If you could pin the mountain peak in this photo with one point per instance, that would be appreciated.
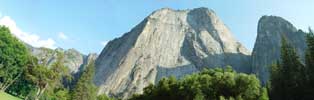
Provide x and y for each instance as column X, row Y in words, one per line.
column 272, row 18
column 168, row 42
column 266, row 50
column 275, row 22
column 172, row 12
column 203, row 9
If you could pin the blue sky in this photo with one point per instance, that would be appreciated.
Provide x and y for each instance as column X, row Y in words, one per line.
column 87, row 24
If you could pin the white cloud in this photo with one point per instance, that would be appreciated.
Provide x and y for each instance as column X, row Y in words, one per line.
column 62, row 36
column 31, row 39
column 104, row 43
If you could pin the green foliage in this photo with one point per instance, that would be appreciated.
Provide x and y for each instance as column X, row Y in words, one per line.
column 37, row 73
column 264, row 95
column 104, row 97
column 47, row 81
column 55, row 94
column 288, row 76
column 210, row 84
column 85, row 88
column 22, row 87
column 57, row 73
column 309, row 64
column 13, row 57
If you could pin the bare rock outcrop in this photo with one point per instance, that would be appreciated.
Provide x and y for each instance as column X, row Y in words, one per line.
column 266, row 50
column 167, row 42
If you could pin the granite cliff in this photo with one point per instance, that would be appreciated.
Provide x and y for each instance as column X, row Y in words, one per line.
column 266, row 50
column 167, row 42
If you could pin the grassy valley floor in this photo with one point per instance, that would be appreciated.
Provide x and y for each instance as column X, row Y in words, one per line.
column 5, row 96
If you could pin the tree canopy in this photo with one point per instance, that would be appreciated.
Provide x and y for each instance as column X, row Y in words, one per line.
column 210, row 84
column 13, row 58
column 85, row 88
column 291, row 79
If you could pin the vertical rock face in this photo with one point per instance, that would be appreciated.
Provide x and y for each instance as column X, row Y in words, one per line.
column 167, row 42
column 266, row 51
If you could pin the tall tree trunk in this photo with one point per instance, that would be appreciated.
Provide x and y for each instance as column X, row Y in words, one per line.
column 41, row 91
column 37, row 94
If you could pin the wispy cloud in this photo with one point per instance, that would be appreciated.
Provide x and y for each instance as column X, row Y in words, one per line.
column 62, row 36
column 104, row 43
column 32, row 39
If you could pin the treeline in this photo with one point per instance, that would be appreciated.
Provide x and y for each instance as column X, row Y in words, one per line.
column 30, row 78
column 210, row 84
column 292, row 79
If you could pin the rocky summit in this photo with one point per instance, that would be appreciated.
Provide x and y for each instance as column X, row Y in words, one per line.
column 168, row 42
column 266, row 50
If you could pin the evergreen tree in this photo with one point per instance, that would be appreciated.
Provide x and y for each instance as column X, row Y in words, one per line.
column 276, row 81
column 58, row 73
column 13, row 57
column 85, row 88
column 309, row 63
column 288, row 78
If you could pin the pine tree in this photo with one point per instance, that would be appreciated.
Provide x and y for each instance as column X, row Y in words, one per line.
column 85, row 89
column 309, row 61
column 310, row 50
column 288, row 77
column 276, row 82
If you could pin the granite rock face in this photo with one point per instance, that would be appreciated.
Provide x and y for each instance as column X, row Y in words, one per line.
column 266, row 50
column 73, row 59
column 167, row 42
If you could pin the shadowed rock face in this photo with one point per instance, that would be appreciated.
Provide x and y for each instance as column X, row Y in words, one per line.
column 167, row 42
column 266, row 51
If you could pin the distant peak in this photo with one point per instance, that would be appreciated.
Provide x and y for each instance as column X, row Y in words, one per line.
column 165, row 9
column 202, row 9
column 171, row 11
column 276, row 24
column 272, row 18
column 73, row 50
